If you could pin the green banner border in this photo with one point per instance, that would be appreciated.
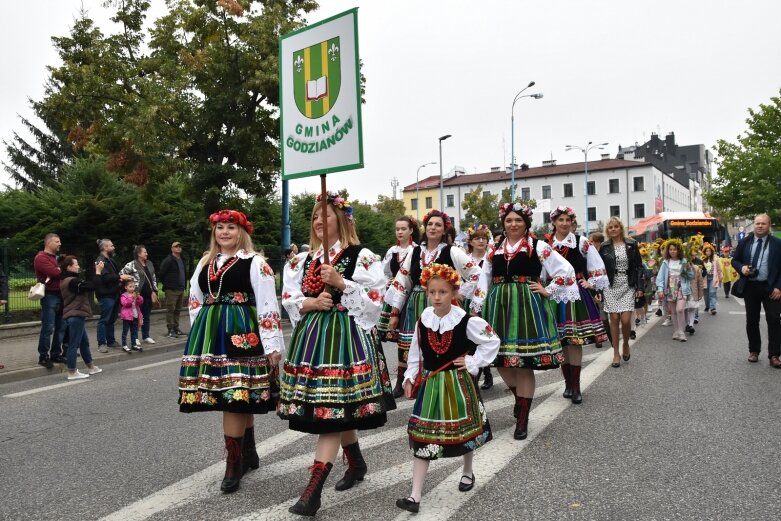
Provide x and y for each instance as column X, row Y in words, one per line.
column 341, row 168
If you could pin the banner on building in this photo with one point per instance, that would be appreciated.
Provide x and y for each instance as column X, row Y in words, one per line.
column 320, row 98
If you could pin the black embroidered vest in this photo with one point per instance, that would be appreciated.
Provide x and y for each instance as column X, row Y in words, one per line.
column 459, row 346
column 415, row 270
column 574, row 257
column 345, row 265
column 520, row 265
column 236, row 286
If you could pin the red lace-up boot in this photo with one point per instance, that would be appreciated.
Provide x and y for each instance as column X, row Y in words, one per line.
column 230, row 483
column 309, row 502
column 522, row 423
column 566, row 370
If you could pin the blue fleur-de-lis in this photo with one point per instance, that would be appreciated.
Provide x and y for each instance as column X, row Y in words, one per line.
column 299, row 62
column 333, row 52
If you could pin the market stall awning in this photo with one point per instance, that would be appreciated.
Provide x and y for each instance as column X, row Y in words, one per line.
column 641, row 227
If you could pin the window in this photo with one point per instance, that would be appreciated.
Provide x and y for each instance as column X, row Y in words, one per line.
column 450, row 201
column 526, row 194
column 546, row 217
column 639, row 210
column 639, row 183
column 546, row 192
column 615, row 211
column 429, row 203
column 487, row 193
column 591, row 188
column 413, row 204
column 613, row 186
column 567, row 189
column 592, row 213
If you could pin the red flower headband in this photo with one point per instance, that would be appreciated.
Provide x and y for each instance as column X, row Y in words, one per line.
column 440, row 271
column 437, row 213
column 520, row 209
column 562, row 210
column 233, row 217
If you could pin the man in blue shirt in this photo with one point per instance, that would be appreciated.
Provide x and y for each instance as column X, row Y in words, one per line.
column 758, row 261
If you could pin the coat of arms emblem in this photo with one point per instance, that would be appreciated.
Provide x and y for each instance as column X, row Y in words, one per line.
column 317, row 76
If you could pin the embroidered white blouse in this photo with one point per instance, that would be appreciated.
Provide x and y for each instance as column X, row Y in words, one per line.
column 555, row 269
column 393, row 250
column 473, row 285
column 597, row 276
column 477, row 330
column 362, row 296
column 264, row 288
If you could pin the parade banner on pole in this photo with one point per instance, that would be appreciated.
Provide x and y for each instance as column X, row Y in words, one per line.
column 320, row 98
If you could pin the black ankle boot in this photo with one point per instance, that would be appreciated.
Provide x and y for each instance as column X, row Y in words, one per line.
column 356, row 467
column 566, row 371
column 488, row 380
column 522, row 424
column 249, row 453
column 230, row 483
column 515, row 407
column 574, row 372
column 309, row 502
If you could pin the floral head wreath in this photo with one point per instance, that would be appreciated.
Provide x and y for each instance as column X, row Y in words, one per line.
column 708, row 245
column 233, row 217
column 337, row 201
column 437, row 213
column 518, row 208
column 440, row 271
column 673, row 242
column 562, row 210
column 476, row 229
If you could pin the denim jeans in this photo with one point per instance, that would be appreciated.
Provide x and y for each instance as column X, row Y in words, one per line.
column 109, row 308
column 52, row 328
column 132, row 327
column 146, row 312
column 711, row 295
column 79, row 341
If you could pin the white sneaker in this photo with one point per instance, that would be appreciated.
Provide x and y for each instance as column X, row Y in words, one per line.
column 138, row 342
column 667, row 322
column 126, row 349
column 94, row 370
column 77, row 375
column 150, row 340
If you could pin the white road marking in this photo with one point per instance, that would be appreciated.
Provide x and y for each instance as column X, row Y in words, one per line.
column 739, row 301
column 147, row 366
column 47, row 388
column 761, row 313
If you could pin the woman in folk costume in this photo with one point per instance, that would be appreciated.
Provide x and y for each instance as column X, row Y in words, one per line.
column 578, row 321
column 407, row 237
column 405, row 292
column 517, row 307
column 478, row 239
column 235, row 341
column 448, row 419
column 334, row 379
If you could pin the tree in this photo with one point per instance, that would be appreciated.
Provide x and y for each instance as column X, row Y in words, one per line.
column 479, row 208
column 531, row 203
column 749, row 174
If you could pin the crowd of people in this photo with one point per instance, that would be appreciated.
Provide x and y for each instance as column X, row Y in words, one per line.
column 128, row 292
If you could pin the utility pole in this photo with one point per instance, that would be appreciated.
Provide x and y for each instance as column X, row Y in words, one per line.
column 394, row 185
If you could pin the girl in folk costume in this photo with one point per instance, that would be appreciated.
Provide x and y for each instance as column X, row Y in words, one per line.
column 235, row 342
column 478, row 239
column 714, row 277
column 578, row 321
column 405, row 292
column 448, row 419
column 673, row 283
column 517, row 306
column 407, row 237
column 334, row 380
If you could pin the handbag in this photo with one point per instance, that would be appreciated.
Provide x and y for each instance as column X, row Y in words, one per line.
column 37, row 290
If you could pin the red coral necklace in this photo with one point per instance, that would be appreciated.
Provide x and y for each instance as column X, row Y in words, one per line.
column 215, row 275
column 440, row 345
column 313, row 283
column 524, row 244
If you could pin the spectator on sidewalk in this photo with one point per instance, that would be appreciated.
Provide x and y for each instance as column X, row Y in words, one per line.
column 48, row 272
column 3, row 293
column 130, row 312
column 758, row 260
column 77, row 306
column 107, row 290
column 143, row 272
column 173, row 275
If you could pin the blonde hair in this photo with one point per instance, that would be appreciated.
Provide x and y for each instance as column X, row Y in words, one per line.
column 345, row 229
column 616, row 220
column 245, row 243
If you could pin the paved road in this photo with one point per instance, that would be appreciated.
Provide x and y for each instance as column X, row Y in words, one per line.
column 682, row 431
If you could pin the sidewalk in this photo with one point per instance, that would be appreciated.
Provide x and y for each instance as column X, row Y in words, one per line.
column 19, row 347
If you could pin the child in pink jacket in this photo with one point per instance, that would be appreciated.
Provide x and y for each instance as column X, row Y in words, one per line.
column 130, row 313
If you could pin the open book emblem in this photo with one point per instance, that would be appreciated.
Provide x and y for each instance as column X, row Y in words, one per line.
column 317, row 77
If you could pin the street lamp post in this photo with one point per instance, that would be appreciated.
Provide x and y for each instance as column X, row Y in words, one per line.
column 512, row 135
column 417, row 187
column 590, row 146
column 441, row 183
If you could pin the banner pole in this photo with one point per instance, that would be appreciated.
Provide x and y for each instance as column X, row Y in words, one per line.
column 324, row 217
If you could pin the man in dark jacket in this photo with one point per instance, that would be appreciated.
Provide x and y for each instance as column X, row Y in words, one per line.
column 107, row 291
column 173, row 275
column 52, row 328
column 758, row 261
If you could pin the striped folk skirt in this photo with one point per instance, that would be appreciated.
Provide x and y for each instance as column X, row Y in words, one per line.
column 408, row 318
column 210, row 380
column 448, row 418
column 579, row 322
column 335, row 377
column 526, row 325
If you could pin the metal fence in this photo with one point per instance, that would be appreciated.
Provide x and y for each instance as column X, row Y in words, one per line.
column 18, row 268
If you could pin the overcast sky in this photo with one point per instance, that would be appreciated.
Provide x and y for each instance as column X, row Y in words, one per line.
column 609, row 70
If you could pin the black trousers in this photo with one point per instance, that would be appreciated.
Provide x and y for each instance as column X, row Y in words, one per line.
column 756, row 296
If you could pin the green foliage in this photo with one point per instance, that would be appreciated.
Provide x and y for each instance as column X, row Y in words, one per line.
column 301, row 206
column 531, row 203
column 479, row 208
column 749, row 174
